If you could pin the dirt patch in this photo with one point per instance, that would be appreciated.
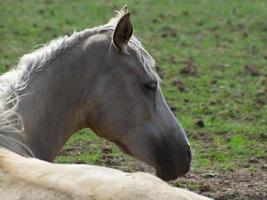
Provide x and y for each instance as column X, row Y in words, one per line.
column 189, row 68
column 251, row 70
column 202, row 136
column 241, row 184
column 167, row 31
column 77, row 149
column 261, row 96
column 179, row 85
column 237, row 185
column 200, row 123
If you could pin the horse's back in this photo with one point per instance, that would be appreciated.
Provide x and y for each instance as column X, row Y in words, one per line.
column 29, row 178
column 14, row 189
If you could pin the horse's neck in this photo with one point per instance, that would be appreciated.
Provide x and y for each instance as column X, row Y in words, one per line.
column 52, row 106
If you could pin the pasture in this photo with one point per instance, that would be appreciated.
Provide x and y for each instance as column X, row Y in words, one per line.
column 212, row 58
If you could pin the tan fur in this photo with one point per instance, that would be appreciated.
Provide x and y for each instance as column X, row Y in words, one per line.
column 30, row 178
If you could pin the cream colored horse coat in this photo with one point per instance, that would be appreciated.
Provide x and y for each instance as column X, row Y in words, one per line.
column 33, row 179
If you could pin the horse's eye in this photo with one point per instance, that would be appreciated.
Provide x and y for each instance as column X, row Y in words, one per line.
column 152, row 85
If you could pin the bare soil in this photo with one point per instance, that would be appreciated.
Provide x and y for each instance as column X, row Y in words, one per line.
column 241, row 184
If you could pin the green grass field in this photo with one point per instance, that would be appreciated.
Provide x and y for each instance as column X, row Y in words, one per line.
column 211, row 55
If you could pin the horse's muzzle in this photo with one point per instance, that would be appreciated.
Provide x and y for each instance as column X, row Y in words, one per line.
column 170, row 170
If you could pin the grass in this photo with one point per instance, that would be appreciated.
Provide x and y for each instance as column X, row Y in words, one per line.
column 221, row 41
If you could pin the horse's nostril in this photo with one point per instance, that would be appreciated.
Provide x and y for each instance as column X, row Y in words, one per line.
column 189, row 154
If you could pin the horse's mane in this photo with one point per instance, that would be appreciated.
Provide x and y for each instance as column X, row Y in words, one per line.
column 11, row 127
column 13, row 82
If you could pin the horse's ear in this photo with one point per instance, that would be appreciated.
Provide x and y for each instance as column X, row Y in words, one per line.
column 123, row 31
column 124, row 9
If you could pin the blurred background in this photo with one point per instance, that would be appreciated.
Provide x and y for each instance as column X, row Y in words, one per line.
column 212, row 58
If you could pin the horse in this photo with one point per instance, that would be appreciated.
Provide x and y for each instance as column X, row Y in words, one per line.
column 33, row 179
column 101, row 78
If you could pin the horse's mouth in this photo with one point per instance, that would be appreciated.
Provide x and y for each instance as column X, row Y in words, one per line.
column 168, row 175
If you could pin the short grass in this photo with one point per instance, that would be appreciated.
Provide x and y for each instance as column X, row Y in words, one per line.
column 211, row 55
